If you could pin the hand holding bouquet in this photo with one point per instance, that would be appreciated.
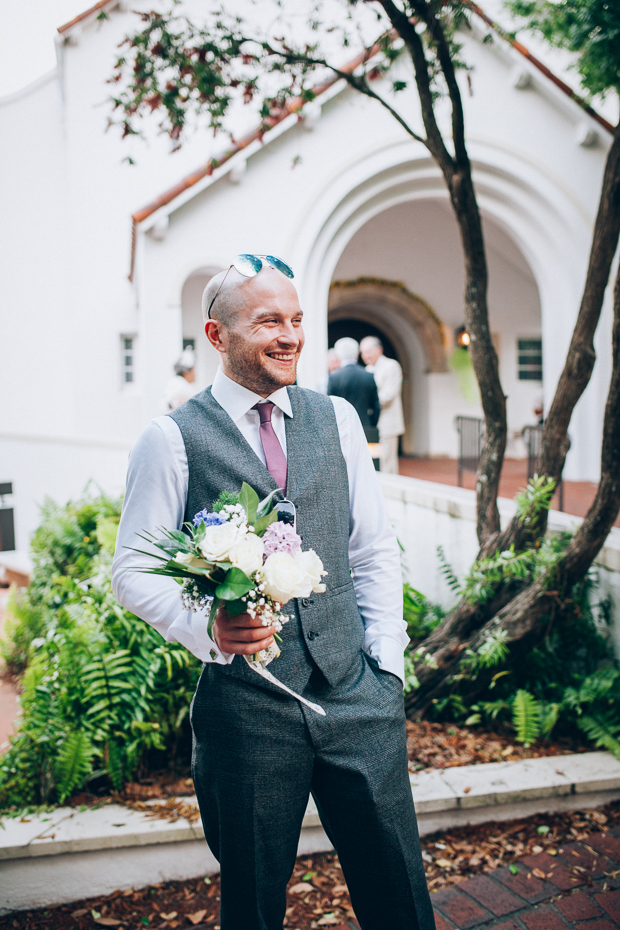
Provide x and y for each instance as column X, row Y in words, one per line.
column 240, row 557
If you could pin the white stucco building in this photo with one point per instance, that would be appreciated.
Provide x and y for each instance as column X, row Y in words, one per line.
column 103, row 262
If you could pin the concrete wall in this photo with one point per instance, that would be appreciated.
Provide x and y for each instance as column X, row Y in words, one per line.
column 426, row 515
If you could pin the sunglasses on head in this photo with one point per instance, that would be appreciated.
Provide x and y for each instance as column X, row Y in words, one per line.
column 249, row 266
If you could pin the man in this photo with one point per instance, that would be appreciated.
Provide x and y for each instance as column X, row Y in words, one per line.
column 258, row 753
column 389, row 379
column 353, row 383
column 182, row 386
column 333, row 364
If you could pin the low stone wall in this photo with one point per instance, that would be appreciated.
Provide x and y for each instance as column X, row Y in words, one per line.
column 426, row 515
column 67, row 854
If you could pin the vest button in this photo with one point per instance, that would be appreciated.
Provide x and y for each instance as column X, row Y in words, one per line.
column 305, row 602
column 312, row 634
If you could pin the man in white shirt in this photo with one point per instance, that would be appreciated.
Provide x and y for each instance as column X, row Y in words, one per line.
column 389, row 379
column 258, row 753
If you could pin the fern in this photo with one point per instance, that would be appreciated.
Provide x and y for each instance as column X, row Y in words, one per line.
column 114, row 765
column 534, row 499
column 446, row 570
column 603, row 731
column 526, row 717
column 549, row 714
column 73, row 764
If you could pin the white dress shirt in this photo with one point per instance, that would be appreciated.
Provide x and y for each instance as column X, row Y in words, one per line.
column 157, row 483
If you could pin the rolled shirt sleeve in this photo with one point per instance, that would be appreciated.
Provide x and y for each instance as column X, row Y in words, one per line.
column 155, row 497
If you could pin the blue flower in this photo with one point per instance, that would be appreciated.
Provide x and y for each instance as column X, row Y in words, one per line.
column 209, row 519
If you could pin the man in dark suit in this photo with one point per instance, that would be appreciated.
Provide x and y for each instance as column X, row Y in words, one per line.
column 354, row 383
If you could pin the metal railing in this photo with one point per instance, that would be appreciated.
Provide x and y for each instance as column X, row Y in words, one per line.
column 471, row 437
column 532, row 437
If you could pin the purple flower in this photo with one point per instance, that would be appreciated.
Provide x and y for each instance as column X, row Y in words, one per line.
column 281, row 537
column 210, row 519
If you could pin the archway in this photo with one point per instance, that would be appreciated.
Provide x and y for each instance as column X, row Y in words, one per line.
column 411, row 332
column 207, row 360
column 541, row 226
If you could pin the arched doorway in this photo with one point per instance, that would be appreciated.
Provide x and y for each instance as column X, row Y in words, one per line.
column 207, row 359
column 411, row 333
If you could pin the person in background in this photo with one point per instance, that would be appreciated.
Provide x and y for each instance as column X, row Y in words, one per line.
column 333, row 364
column 353, row 383
column 182, row 386
column 389, row 379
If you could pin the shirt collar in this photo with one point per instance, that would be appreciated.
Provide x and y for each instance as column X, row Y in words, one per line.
column 237, row 400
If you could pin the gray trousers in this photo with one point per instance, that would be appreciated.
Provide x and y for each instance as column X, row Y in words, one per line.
column 257, row 757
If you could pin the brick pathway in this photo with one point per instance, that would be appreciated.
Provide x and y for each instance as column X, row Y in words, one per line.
column 578, row 889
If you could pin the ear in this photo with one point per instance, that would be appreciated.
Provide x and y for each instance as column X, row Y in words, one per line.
column 214, row 331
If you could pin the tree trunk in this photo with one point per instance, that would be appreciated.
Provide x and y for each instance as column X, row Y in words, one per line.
column 581, row 355
column 482, row 351
column 456, row 169
column 519, row 617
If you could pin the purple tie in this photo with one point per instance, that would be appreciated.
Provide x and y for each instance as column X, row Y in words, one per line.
column 274, row 456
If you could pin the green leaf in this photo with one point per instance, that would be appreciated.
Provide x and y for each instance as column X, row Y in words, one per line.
column 543, row 830
column 234, row 586
column 234, row 608
column 212, row 615
column 74, row 763
column 263, row 522
column 267, row 504
column 514, row 869
column 248, row 498
column 526, row 717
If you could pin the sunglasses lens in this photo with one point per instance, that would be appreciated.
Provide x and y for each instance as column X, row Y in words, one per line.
column 279, row 265
column 248, row 265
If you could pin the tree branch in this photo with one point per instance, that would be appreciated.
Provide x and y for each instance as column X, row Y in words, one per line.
column 358, row 82
column 427, row 13
column 406, row 30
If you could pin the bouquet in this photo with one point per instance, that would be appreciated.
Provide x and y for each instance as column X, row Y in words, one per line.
column 239, row 556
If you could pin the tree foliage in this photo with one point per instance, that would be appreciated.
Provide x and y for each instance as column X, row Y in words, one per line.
column 588, row 28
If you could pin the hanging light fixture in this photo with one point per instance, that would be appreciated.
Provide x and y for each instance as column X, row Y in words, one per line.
column 462, row 337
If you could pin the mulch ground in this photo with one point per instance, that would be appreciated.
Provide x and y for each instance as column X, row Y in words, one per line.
column 444, row 745
column 545, row 846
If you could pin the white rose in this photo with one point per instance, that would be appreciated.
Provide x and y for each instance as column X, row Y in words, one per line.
column 217, row 541
column 283, row 578
column 191, row 561
column 247, row 554
column 313, row 567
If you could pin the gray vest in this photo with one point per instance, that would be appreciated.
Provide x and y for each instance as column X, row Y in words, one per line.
column 325, row 630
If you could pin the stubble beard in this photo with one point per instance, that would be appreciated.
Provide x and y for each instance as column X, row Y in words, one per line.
column 249, row 369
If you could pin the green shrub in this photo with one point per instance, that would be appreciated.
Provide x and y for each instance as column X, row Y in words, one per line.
column 568, row 683
column 102, row 693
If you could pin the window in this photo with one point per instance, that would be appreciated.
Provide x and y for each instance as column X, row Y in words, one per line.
column 529, row 359
column 128, row 359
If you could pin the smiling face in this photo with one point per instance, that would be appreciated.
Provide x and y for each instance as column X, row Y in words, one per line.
column 261, row 342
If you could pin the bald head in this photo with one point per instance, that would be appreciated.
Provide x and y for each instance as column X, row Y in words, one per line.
column 371, row 349
column 237, row 291
column 256, row 326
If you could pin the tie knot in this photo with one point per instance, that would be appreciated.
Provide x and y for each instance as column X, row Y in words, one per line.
column 264, row 411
